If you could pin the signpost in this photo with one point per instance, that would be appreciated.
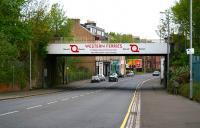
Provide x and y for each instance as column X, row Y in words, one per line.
column 190, row 51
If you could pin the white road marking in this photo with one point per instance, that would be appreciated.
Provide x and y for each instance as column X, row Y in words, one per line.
column 65, row 99
column 81, row 95
column 74, row 97
column 34, row 107
column 8, row 113
column 52, row 102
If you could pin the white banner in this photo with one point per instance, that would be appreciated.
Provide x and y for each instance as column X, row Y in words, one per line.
column 108, row 48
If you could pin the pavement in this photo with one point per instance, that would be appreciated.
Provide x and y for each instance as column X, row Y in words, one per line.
column 22, row 94
column 162, row 110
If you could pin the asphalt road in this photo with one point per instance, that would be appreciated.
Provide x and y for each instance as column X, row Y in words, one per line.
column 90, row 105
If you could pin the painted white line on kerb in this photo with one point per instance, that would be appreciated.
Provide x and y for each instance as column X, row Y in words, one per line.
column 8, row 113
column 137, row 124
column 52, row 102
column 34, row 107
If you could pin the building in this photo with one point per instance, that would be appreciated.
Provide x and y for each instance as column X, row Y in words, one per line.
column 151, row 63
column 90, row 33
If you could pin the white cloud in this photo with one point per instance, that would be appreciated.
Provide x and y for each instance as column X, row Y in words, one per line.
column 138, row 17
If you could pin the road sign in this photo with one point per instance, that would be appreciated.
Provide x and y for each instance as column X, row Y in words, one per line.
column 190, row 51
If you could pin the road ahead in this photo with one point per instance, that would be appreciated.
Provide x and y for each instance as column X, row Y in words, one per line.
column 90, row 105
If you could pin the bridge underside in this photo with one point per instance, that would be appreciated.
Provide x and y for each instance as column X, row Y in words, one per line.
column 56, row 68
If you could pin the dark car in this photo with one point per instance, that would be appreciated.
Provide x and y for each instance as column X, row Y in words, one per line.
column 120, row 75
column 113, row 77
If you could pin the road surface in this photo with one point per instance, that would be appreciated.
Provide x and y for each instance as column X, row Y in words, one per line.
column 90, row 105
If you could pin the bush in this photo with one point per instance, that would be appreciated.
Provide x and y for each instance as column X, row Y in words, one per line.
column 184, row 90
column 75, row 75
column 21, row 78
column 178, row 75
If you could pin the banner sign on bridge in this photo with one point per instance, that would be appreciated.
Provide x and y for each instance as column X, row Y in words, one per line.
column 108, row 48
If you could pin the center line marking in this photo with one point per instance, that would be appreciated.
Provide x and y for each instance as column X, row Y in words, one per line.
column 8, row 113
column 74, row 97
column 52, row 102
column 34, row 107
column 65, row 99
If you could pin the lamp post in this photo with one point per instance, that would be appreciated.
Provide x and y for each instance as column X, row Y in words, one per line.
column 30, row 80
column 191, row 80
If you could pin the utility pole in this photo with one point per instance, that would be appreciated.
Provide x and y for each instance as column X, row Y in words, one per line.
column 168, row 41
column 191, row 80
column 30, row 80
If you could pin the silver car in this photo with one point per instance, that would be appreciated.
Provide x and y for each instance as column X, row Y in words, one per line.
column 101, row 77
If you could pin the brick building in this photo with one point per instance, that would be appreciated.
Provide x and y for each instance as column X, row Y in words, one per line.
column 90, row 33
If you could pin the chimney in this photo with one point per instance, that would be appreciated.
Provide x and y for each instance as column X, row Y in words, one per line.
column 89, row 22
column 76, row 21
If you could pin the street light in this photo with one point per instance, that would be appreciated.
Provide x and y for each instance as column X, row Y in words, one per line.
column 168, row 40
column 30, row 66
column 191, row 81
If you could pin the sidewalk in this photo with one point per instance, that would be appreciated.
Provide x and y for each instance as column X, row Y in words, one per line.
column 162, row 110
column 22, row 94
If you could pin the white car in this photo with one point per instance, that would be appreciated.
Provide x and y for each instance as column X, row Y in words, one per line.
column 95, row 79
column 156, row 73
column 130, row 74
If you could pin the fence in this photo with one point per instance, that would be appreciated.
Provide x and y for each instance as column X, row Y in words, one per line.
column 196, row 69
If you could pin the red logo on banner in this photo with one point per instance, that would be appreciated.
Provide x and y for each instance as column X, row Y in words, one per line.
column 134, row 48
column 74, row 48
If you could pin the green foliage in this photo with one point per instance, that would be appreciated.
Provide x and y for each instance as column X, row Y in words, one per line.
column 26, row 23
column 8, row 55
column 75, row 74
column 184, row 91
column 179, row 75
column 122, row 38
column 21, row 78
column 181, row 17
column 57, row 21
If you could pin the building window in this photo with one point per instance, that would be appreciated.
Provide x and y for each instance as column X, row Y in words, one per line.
column 102, row 34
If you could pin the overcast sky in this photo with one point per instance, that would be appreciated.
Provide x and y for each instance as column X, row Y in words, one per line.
column 137, row 17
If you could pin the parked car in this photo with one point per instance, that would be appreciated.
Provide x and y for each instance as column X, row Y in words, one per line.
column 156, row 73
column 101, row 77
column 131, row 73
column 113, row 77
column 120, row 75
column 95, row 79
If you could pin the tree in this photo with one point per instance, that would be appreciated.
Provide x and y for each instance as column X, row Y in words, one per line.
column 60, row 26
column 181, row 17
column 8, row 57
column 121, row 38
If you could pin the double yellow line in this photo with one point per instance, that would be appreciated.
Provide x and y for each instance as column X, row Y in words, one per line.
column 123, row 125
